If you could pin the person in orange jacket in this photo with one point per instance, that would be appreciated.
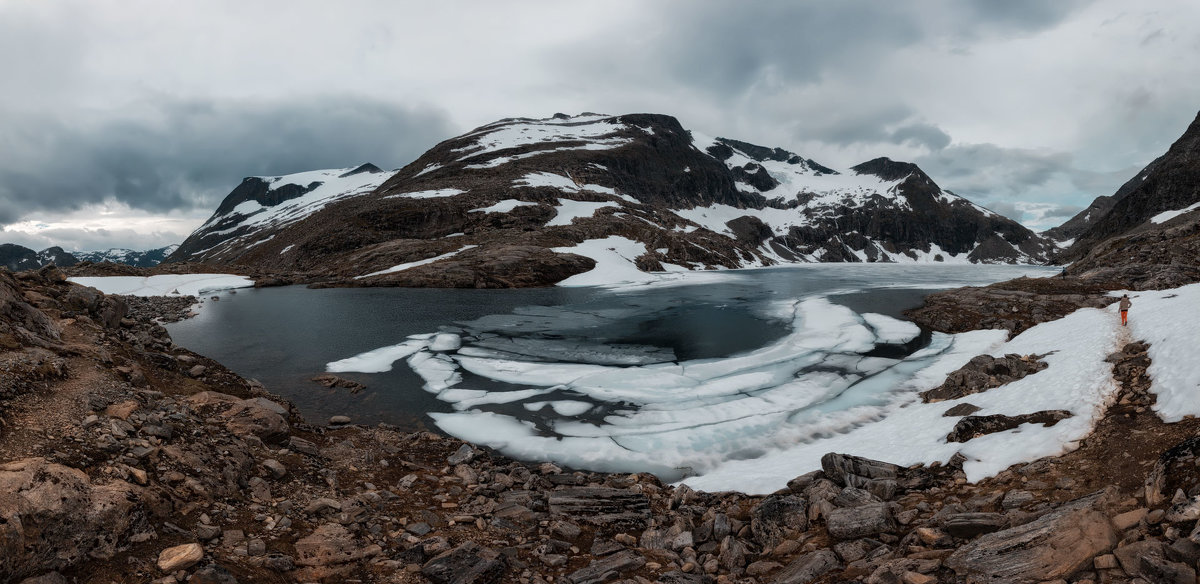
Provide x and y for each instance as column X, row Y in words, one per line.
column 1124, row 306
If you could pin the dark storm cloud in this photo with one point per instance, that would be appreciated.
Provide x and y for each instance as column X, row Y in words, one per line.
column 180, row 155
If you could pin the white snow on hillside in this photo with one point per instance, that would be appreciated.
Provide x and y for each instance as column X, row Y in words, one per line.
column 1169, row 215
column 1168, row 319
column 569, row 210
column 614, row 257
column 165, row 284
column 503, row 206
column 410, row 265
column 334, row 187
column 560, row 182
column 430, row 194
column 595, row 132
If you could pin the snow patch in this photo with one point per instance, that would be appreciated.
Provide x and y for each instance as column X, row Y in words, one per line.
column 165, row 284
column 1169, row 215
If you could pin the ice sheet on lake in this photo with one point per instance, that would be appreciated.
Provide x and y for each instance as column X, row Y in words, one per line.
column 165, row 284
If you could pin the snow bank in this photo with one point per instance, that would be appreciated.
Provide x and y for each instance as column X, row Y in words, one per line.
column 570, row 210
column 503, row 206
column 166, row 284
column 910, row 432
column 614, row 257
column 1168, row 320
column 410, row 265
column 1169, row 215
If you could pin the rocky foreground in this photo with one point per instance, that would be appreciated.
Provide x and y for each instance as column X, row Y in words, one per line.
column 124, row 458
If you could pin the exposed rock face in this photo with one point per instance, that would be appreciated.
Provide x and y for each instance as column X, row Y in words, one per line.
column 505, row 205
column 1150, row 239
column 971, row 427
column 1015, row 305
column 1053, row 546
column 1066, row 233
column 982, row 373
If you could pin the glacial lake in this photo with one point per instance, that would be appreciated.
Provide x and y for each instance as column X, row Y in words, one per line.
column 671, row 378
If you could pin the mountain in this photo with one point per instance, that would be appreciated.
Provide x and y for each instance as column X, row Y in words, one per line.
column 140, row 259
column 1150, row 238
column 527, row 202
column 18, row 258
column 1064, row 235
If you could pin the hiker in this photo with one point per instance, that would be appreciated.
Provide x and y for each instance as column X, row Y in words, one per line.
column 1125, row 304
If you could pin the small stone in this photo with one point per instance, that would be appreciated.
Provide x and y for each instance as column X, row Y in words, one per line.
column 276, row 468
column 197, row 371
column 1129, row 518
column 463, row 455
column 256, row 547
column 180, row 557
column 1105, row 562
column 207, row 532
column 339, row 420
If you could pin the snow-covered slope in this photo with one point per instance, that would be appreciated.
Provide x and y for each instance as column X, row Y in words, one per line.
column 261, row 206
column 518, row 202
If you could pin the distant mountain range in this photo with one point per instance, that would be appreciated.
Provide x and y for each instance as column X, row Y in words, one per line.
column 17, row 258
column 525, row 202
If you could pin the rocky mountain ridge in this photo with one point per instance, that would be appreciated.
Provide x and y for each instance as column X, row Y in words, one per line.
column 18, row 258
column 1150, row 238
column 525, row 202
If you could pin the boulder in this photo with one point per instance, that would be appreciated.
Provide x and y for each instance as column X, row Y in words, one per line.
column 606, row 568
column 602, row 506
column 807, row 568
column 969, row 525
column 776, row 514
column 468, row 563
column 1051, row 547
column 861, row 521
column 982, row 373
column 971, row 427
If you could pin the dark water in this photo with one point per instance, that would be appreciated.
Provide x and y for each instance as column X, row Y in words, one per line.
column 285, row 336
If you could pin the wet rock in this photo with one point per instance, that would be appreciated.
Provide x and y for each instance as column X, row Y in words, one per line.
column 332, row 381
column 1052, row 546
column 862, row 521
column 972, row 427
column 180, row 557
column 770, row 519
column 468, row 563
column 807, row 568
column 602, row 506
column 606, row 568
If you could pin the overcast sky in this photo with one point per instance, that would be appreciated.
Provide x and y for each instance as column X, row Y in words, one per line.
column 123, row 123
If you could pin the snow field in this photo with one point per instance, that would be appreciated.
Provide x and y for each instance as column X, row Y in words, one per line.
column 1168, row 320
column 1169, row 215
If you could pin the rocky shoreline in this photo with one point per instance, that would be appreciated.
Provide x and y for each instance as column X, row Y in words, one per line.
column 124, row 458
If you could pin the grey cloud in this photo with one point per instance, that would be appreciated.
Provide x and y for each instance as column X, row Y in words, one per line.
column 990, row 170
column 186, row 154
column 1063, row 212
column 1006, row 208
column 921, row 134
column 726, row 51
